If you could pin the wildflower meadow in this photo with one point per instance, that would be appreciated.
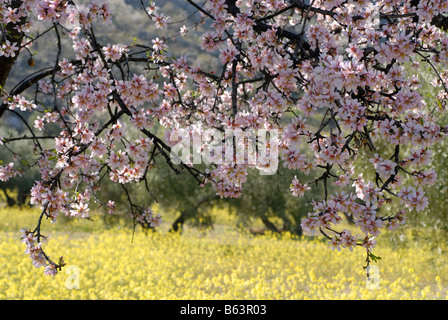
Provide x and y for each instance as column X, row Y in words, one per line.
column 222, row 263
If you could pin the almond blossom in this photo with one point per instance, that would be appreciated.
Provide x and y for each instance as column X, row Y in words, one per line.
column 297, row 189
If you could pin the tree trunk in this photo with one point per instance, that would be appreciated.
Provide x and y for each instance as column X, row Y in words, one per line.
column 299, row 231
column 186, row 214
column 269, row 225
column 291, row 226
column 14, row 37
column 179, row 222
column 349, row 218
column 21, row 198
column 11, row 202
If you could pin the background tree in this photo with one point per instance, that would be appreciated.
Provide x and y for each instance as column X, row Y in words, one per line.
column 181, row 194
column 267, row 198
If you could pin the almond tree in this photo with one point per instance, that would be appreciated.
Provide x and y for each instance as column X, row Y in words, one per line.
column 283, row 64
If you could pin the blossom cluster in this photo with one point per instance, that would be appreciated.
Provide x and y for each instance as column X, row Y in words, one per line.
column 7, row 171
column 148, row 217
column 34, row 250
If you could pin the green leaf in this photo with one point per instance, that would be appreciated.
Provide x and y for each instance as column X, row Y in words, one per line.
column 373, row 257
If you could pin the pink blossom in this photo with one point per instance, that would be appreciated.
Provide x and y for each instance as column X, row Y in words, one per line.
column 8, row 49
column 297, row 188
column 50, row 270
column 111, row 207
column 7, row 172
column 161, row 21
column 113, row 52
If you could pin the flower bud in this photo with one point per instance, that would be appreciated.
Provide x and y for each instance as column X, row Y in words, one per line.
column 31, row 62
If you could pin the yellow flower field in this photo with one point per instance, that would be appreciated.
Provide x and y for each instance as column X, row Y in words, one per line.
column 220, row 264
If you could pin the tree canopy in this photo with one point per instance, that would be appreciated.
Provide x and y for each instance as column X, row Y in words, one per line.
column 316, row 87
